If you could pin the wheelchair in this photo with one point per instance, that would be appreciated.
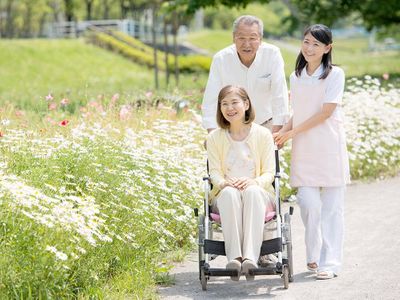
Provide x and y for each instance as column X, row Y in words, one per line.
column 280, row 246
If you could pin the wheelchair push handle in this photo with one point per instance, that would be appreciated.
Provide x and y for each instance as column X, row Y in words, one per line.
column 277, row 160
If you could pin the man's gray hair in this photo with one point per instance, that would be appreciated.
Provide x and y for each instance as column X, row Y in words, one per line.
column 248, row 20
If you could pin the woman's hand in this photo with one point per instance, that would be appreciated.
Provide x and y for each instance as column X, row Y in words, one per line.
column 281, row 138
column 241, row 183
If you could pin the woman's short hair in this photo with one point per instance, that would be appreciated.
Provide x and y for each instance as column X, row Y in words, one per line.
column 241, row 92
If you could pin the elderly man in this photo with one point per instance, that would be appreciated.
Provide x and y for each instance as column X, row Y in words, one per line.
column 254, row 65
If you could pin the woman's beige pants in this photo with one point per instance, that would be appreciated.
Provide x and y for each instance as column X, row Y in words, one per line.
column 242, row 219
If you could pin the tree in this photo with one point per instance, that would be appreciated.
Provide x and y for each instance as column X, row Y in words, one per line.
column 89, row 9
column 154, row 41
column 372, row 12
column 10, row 16
column 69, row 10
column 177, row 13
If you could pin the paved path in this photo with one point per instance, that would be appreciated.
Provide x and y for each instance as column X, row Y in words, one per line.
column 371, row 266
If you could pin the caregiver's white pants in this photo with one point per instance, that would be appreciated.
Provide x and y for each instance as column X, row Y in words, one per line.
column 242, row 219
column 322, row 212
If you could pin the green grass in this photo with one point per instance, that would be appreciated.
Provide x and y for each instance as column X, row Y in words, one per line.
column 123, row 198
column 31, row 69
column 351, row 54
column 210, row 40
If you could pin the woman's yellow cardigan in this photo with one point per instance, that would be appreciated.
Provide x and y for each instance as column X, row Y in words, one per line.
column 261, row 146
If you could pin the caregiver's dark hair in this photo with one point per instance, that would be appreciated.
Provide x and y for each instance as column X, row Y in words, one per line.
column 324, row 35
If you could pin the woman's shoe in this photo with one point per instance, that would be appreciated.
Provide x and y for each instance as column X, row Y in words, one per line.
column 322, row 275
column 246, row 266
column 313, row 267
column 234, row 265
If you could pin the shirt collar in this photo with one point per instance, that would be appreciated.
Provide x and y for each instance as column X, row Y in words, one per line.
column 317, row 73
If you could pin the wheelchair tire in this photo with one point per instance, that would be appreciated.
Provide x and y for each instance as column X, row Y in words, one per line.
column 203, row 279
column 289, row 252
column 285, row 276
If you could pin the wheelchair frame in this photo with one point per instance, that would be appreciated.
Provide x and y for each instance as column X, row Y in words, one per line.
column 209, row 249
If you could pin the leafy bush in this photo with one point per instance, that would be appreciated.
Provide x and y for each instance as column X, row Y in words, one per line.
column 108, row 42
column 140, row 53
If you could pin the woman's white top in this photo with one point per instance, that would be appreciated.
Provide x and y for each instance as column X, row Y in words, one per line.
column 239, row 161
column 319, row 155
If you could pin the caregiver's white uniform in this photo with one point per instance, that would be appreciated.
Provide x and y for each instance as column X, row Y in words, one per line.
column 320, row 166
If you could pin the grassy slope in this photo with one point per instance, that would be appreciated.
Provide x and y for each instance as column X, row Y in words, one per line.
column 30, row 69
column 351, row 54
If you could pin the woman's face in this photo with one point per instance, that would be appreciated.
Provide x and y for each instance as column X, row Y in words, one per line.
column 313, row 50
column 233, row 108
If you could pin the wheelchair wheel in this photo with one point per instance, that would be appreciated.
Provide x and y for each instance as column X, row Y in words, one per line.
column 203, row 279
column 201, row 243
column 285, row 276
column 289, row 252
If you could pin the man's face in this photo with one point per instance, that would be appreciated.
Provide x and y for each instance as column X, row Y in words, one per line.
column 247, row 40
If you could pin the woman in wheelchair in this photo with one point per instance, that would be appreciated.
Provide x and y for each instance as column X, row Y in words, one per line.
column 242, row 168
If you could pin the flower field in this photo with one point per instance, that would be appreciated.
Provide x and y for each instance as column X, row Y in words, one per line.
column 92, row 203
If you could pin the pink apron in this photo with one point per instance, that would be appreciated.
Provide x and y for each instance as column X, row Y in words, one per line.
column 319, row 155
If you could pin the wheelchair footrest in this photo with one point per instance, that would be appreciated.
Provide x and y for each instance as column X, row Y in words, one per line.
column 220, row 272
column 265, row 271
column 271, row 246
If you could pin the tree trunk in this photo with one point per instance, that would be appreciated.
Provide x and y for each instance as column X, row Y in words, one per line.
column 166, row 52
column 69, row 10
column 42, row 22
column 154, row 38
column 176, row 49
column 124, row 8
column 89, row 9
column 9, row 32
column 56, row 11
column 106, row 5
column 26, row 32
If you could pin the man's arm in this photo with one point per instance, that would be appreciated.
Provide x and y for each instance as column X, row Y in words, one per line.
column 279, row 93
column 210, row 98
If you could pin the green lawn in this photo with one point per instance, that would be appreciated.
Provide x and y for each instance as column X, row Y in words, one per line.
column 351, row 54
column 31, row 69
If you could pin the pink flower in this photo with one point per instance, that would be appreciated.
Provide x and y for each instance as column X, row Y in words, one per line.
column 1, row 134
column 113, row 101
column 64, row 101
column 160, row 105
column 93, row 104
column 148, row 94
column 52, row 106
column 19, row 113
column 115, row 97
column 125, row 112
column 50, row 120
column 49, row 97
column 385, row 76
column 63, row 123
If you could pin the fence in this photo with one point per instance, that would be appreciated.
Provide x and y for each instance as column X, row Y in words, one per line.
column 133, row 28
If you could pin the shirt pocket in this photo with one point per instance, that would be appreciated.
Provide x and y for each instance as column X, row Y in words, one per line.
column 263, row 84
